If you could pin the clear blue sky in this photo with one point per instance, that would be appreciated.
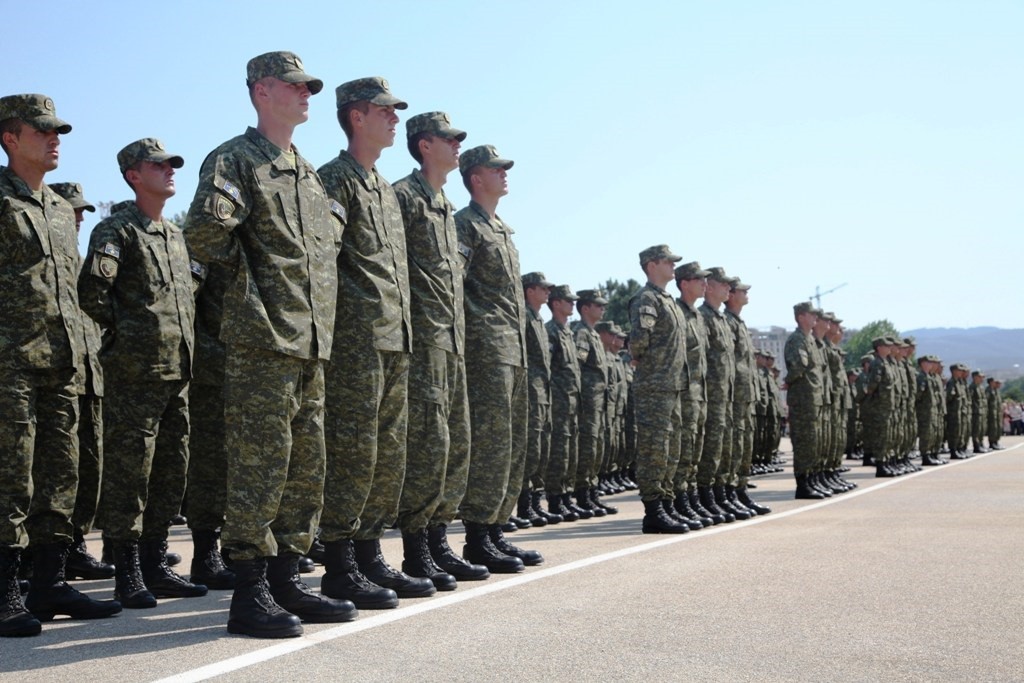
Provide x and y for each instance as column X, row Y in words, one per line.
column 796, row 144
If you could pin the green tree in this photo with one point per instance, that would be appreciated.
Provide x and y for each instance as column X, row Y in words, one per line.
column 618, row 295
column 1014, row 389
column 860, row 343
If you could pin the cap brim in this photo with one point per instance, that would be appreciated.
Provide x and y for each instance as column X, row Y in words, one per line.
column 315, row 85
column 173, row 159
column 499, row 163
column 455, row 134
column 51, row 123
column 388, row 100
column 83, row 205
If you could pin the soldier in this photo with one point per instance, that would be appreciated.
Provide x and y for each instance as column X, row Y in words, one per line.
column 538, row 363
column 879, row 403
column 367, row 380
column 994, row 413
column 495, row 364
column 957, row 401
column 721, row 376
column 565, row 393
column 657, row 340
column 744, row 397
column 841, row 399
column 859, row 397
column 42, row 364
column 137, row 284
column 437, row 455
column 976, row 393
column 611, row 339
column 80, row 564
column 927, row 397
column 262, row 211
column 804, row 396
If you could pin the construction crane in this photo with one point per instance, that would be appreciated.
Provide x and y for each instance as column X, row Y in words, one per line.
column 818, row 294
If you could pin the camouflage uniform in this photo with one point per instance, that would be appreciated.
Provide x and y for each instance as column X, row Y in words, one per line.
column 264, row 213
column 994, row 414
column 137, row 284
column 495, row 365
column 744, row 397
column 593, row 401
column 42, row 352
column 538, row 363
column 925, row 403
column 565, row 392
column 825, row 434
column 367, row 379
column 720, row 379
column 437, row 456
column 805, row 398
column 956, row 398
column 657, row 341
column 879, row 400
column 977, row 395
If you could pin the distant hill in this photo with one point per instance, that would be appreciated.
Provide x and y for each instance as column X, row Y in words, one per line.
column 992, row 350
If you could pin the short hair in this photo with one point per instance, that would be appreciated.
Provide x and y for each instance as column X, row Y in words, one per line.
column 9, row 126
column 361, row 106
column 133, row 167
column 466, row 179
column 414, row 144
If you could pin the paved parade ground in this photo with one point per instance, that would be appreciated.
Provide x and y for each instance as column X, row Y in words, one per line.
column 919, row 578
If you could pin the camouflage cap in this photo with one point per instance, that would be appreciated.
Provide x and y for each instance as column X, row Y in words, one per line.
column 372, row 89
column 36, row 110
column 769, row 355
column 717, row 273
column 591, row 296
column 284, row 66
column 74, row 194
column 563, row 292
column 484, row 155
column 879, row 341
column 610, row 327
column 933, row 358
column 736, row 284
column 434, row 122
column 690, row 271
column 803, row 307
column 826, row 315
column 867, row 357
column 836, row 319
column 910, row 341
column 658, row 251
column 977, row 373
column 818, row 312
column 147, row 149
column 536, row 279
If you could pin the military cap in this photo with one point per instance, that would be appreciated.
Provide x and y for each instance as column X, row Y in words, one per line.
column 36, row 110
column 759, row 352
column 483, row 155
column 867, row 357
column 717, row 273
column 690, row 271
column 435, row 122
column 535, row 279
column 74, row 194
column 284, row 66
column 879, row 341
column 910, row 341
column 147, row 149
column 562, row 292
column 803, row 307
column 978, row 373
column 853, row 371
column 933, row 358
column 818, row 312
column 736, row 284
column 960, row 366
column 592, row 296
column 610, row 327
column 769, row 355
column 372, row 89
column 833, row 318
column 658, row 251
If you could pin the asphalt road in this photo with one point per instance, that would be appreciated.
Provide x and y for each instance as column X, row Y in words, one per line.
column 911, row 579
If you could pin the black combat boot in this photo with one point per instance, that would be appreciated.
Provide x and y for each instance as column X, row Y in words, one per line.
column 580, row 512
column 294, row 596
column 524, row 509
column 253, row 609
column 49, row 594
column 374, row 567
column 736, row 503
column 804, row 490
column 683, row 507
column 869, row 460
column 129, row 588
column 881, row 470
column 530, row 558
column 670, row 510
column 595, row 498
column 628, row 481
column 479, row 549
column 316, row 549
column 417, row 561
column 722, row 501
column 344, row 581
column 82, row 565
column 552, row 518
column 831, row 483
column 702, row 512
column 15, row 620
column 447, row 559
column 557, row 507
column 814, row 480
column 208, row 568
column 657, row 521
column 161, row 580
column 707, row 501
column 744, row 497
column 583, row 501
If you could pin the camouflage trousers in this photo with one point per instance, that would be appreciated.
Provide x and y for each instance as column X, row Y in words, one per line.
column 612, row 443
column 838, row 436
column 90, row 462
column 954, row 431
column 979, row 428
column 366, row 432
column 538, row 444
column 927, row 442
column 146, row 427
column 659, row 421
column 38, row 456
column 274, row 436
column 591, row 439
column 825, row 437
column 694, row 413
column 995, row 427
column 804, row 423
column 560, row 474
column 207, row 459
column 742, row 442
column 877, row 436
column 437, row 456
column 717, row 442
column 498, row 407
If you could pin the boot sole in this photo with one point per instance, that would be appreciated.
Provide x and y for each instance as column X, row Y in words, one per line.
column 241, row 630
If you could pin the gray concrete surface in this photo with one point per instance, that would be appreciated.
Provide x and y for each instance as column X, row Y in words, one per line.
column 911, row 579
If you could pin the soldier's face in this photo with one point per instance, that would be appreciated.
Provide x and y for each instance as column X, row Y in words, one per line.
column 536, row 296
column 285, row 102
column 441, row 152
column 739, row 297
column 34, row 148
column 378, row 125
column 491, row 181
column 693, row 289
column 153, row 179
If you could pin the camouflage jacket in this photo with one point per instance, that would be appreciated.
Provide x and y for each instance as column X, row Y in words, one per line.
column 696, row 353
column 208, row 361
column 565, row 364
column 538, row 359
column 827, row 389
column 270, row 222
column 746, row 366
column 592, row 359
column 804, row 366
column 721, row 354
column 978, row 398
column 657, row 340
column 435, row 266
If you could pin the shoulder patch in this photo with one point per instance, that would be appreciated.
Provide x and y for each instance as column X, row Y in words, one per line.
column 104, row 267
column 649, row 310
column 223, row 208
column 111, row 250
column 229, row 189
column 465, row 250
column 338, row 210
column 198, row 269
